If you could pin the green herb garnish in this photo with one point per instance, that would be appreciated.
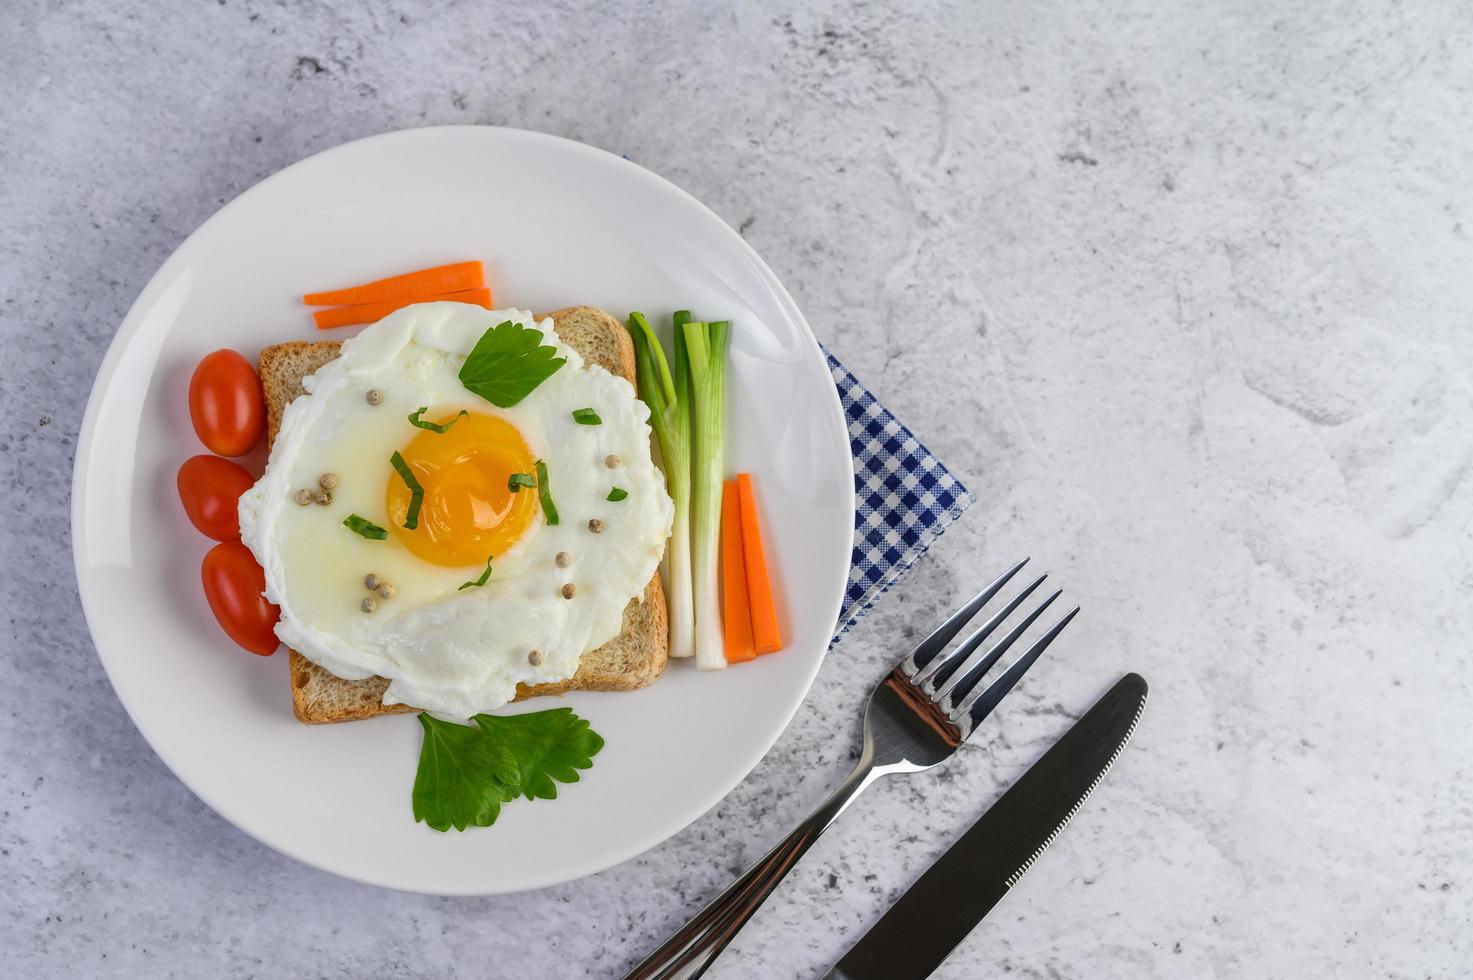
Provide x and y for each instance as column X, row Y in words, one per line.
column 586, row 416
column 617, row 494
column 416, row 492
column 507, row 363
column 364, row 528
column 544, row 494
column 463, row 776
column 548, row 745
column 516, row 481
column 466, row 773
column 477, row 583
column 442, row 428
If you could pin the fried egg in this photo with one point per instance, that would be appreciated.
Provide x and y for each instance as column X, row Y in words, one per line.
column 555, row 590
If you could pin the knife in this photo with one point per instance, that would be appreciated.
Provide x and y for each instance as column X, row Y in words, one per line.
column 936, row 913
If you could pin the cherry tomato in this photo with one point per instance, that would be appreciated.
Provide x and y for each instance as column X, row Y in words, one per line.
column 226, row 405
column 233, row 586
column 210, row 488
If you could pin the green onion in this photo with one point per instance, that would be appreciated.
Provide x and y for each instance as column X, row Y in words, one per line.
column 416, row 492
column 477, row 583
column 544, row 494
column 419, row 423
column 706, row 350
column 617, row 494
column 667, row 394
column 516, row 481
column 364, row 528
column 586, row 416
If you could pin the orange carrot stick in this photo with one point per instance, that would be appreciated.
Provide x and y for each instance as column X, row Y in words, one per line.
column 766, row 635
column 346, row 316
column 736, row 617
column 423, row 282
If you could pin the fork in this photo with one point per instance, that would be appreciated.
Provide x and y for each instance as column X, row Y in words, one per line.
column 917, row 717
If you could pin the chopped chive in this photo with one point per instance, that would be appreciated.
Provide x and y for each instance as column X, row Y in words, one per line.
column 364, row 528
column 477, row 583
column 416, row 492
column 544, row 494
column 617, row 494
column 516, row 481
column 419, row 423
column 586, row 416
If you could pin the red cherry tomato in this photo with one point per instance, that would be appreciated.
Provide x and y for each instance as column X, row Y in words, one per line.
column 210, row 488
column 226, row 404
column 233, row 586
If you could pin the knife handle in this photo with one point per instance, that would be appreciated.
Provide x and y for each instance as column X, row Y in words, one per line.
column 691, row 951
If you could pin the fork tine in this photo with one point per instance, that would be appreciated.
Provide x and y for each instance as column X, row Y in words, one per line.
column 979, row 706
column 944, row 666
column 961, row 683
column 928, row 648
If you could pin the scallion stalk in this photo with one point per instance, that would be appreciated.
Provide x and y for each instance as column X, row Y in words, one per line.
column 705, row 348
column 668, row 397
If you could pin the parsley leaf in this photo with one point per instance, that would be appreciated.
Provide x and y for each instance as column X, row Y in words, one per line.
column 365, row 528
column 586, row 416
column 516, row 481
column 507, row 363
column 463, row 776
column 548, row 745
column 478, row 582
column 466, row 773
column 418, row 421
column 617, row 494
column 416, row 492
column 544, row 494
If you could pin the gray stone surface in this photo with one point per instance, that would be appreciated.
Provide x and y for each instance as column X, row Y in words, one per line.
column 1181, row 291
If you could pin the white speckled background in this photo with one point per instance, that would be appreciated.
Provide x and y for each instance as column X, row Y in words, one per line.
column 1181, row 291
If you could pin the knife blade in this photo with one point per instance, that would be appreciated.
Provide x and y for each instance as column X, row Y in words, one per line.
column 937, row 912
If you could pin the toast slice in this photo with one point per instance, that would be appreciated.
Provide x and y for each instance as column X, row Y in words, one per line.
column 629, row 661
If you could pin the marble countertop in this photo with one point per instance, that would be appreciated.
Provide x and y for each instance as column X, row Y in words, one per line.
column 1180, row 291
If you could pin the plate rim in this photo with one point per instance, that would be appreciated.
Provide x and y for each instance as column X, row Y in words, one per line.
column 132, row 323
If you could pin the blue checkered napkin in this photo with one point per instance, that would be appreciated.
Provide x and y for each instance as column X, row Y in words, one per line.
column 904, row 497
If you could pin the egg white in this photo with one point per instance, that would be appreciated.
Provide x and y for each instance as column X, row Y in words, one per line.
column 451, row 651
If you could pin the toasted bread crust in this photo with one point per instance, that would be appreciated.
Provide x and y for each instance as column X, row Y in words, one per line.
column 631, row 660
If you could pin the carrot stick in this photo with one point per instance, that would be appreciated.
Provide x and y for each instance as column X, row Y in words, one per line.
column 345, row 316
column 766, row 635
column 423, row 282
column 736, row 617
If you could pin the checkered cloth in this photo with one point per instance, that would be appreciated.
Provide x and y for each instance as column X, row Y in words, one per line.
column 904, row 497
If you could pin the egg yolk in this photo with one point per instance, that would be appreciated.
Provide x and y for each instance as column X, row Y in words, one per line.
column 469, row 512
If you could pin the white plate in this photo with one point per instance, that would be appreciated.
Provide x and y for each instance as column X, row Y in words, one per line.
column 557, row 223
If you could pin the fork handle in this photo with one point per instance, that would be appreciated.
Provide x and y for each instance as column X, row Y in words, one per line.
column 691, row 951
